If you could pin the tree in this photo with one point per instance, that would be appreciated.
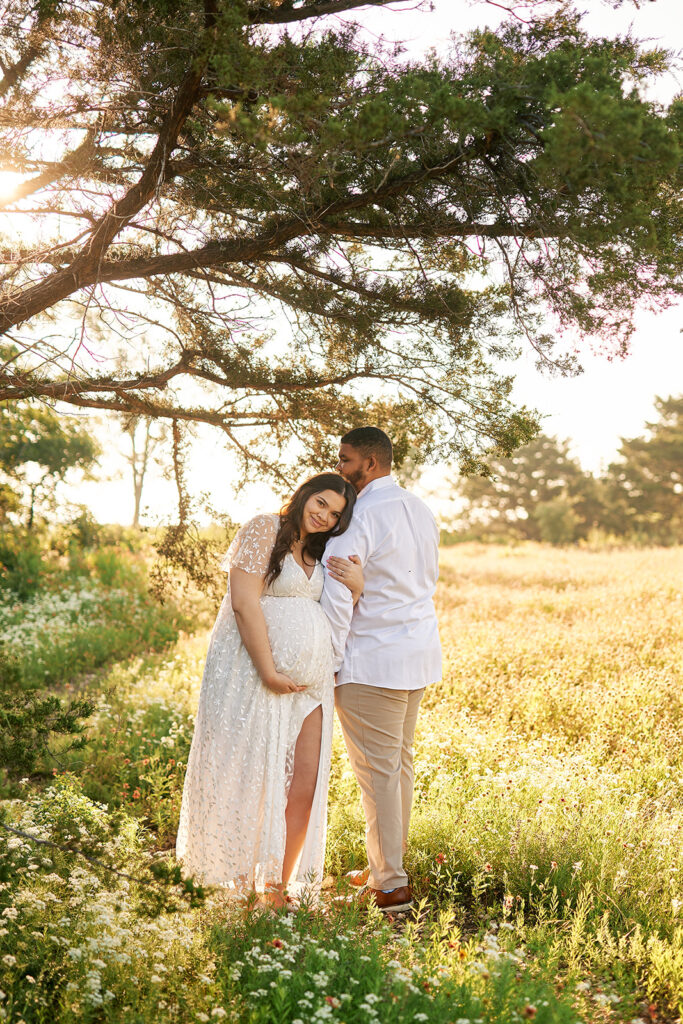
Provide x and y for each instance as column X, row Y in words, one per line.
column 539, row 493
column 144, row 440
column 37, row 449
column 203, row 163
column 645, row 486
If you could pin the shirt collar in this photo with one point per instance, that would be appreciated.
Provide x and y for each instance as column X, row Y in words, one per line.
column 376, row 485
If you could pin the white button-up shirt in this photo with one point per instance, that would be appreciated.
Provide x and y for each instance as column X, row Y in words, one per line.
column 391, row 637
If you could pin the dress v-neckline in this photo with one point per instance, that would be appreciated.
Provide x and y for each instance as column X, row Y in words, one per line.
column 297, row 564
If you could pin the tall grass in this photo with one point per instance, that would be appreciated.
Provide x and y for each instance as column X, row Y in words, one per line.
column 545, row 843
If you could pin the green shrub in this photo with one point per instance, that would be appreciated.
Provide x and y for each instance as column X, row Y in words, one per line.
column 21, row 566
column 31, row 721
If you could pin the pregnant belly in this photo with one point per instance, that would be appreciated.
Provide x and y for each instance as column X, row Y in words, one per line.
column 299, row 635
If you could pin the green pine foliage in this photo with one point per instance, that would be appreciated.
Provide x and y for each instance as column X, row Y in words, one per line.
column 414, row 219
column 645, row 484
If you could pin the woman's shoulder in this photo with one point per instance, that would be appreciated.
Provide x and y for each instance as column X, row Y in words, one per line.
column 265, row 523
column 252, row 544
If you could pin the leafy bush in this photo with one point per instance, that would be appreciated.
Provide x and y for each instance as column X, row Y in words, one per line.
column 30, row 721
column 77, row 942
column 21, row 566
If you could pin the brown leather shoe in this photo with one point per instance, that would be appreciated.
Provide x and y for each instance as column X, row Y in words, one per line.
column 395, row 902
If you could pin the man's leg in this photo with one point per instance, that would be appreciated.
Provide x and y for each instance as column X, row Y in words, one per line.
column 407, row 774
column 372, row 720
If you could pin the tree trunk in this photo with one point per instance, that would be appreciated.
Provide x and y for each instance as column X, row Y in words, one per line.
column 138, row 497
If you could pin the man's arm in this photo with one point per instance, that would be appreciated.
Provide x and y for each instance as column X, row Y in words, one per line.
column 336, row 600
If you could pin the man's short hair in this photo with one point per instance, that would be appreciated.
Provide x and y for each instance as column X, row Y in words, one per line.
column 370, row 441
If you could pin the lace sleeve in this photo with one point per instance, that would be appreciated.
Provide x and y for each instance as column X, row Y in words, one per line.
column 253, row 543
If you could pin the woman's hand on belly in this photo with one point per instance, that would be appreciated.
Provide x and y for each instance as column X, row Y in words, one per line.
column 280, row 683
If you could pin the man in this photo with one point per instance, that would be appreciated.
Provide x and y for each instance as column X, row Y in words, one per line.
column 386, row 649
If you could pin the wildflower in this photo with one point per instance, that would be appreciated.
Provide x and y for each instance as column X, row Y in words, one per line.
column 171, row 762
column 529, row 1011
column 278, row 943
column 136, row 794
column 487, row 867
column 218, row 1011
column 333, row 1001
column 533, row 867
column 440, row 858
column 9, row 960
column 145, row 760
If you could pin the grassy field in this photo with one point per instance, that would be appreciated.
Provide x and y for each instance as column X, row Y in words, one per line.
column 546, row 842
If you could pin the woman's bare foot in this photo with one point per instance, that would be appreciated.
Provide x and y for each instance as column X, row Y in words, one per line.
column 275, row 897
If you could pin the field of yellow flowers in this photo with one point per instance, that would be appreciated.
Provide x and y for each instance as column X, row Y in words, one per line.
column 546, row 845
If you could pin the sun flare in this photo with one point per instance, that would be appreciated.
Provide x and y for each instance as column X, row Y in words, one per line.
column 8, row 183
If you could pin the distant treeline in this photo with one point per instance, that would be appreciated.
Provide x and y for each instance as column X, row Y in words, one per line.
column 543, row 494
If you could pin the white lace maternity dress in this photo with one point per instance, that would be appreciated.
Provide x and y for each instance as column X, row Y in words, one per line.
column 232, row 819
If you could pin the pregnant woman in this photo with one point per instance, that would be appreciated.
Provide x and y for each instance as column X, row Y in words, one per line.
column 254, row 808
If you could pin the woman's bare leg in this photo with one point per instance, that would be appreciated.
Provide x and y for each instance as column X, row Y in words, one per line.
column 302, row 789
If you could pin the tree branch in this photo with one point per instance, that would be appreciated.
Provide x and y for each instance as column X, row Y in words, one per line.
column 36, row 44
column 72, row 163
column 286, row 12
column 14, row 387
column 84, row 269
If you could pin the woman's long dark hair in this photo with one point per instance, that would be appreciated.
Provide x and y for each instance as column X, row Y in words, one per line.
column 291, row 515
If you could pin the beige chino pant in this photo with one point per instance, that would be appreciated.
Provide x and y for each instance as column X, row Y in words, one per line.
column 378, row 726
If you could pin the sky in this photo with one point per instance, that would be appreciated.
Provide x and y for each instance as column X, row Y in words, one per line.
column 610, row 400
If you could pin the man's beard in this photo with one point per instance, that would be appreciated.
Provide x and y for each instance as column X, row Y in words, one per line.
column 355, row 479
